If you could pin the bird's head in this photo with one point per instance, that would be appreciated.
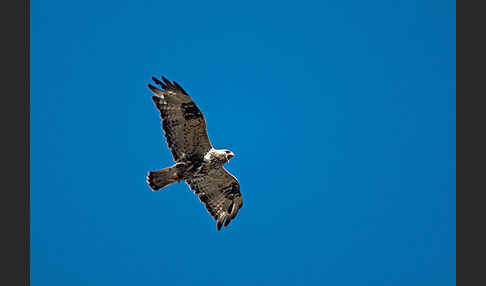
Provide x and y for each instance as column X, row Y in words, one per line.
column 222, row 155
column 228, row 155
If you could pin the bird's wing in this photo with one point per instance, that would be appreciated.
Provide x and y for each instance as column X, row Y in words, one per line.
column 182, row 121
column 220, row 193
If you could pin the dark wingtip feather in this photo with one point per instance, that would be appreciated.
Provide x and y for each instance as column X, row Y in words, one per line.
column 156, row 90
column 159, row 83
column 180, row 87
column 167, row 82
column 219, row 225
column 153, row 88
column 227, row 221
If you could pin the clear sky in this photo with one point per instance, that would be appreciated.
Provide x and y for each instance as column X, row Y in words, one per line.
column 342, row 115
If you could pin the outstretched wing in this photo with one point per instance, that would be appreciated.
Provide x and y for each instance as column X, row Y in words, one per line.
column 220, row 192
column 182, row 121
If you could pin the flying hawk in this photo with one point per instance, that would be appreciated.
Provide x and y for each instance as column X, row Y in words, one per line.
column 196, row 161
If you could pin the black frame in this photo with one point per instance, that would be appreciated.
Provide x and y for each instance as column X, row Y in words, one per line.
column 15, row 123
column 14, row 118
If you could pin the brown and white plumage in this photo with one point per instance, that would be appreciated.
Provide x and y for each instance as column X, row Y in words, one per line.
column 220, row 193
column 197, row 162
column 182, row 121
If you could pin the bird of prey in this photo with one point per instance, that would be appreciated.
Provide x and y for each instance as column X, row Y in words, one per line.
column 196, row 161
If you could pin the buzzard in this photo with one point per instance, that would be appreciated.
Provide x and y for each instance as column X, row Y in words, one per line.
column 196, row 161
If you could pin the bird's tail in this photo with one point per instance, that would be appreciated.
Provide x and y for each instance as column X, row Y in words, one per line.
column 157, row 180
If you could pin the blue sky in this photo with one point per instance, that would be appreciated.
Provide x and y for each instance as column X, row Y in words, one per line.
column 342, row 115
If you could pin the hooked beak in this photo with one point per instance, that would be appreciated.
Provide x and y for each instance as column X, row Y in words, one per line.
column 231, row 155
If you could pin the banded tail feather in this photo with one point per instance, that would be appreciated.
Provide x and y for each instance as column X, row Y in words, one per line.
column 158, row 180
